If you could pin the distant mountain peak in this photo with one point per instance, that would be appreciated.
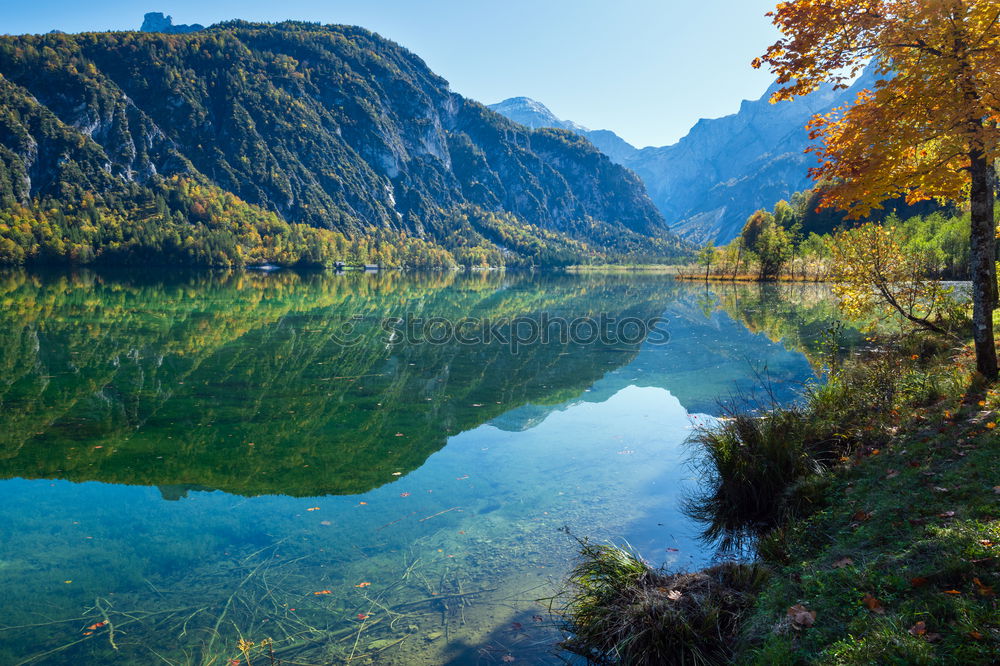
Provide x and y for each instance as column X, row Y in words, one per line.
column 158, row 22
column 534, row 114
column 709, row 182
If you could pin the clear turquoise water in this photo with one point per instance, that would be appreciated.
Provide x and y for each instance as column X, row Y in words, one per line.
column 189, row 461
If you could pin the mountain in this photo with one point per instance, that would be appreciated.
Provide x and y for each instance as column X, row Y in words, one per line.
column 536, row 115
column 157, row 22
column 709, row 182
column 291, row 143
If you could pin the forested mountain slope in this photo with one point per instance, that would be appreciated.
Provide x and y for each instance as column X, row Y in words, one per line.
column 103, row 137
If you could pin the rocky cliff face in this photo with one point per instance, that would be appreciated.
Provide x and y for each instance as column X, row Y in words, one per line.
column 157, row 22
column 332, row 126
column 709, row 182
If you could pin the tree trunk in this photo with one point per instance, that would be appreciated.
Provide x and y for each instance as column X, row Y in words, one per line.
column 982, row 237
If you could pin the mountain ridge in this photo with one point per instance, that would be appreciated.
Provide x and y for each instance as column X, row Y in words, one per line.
column 332, row 127
column 709, row 182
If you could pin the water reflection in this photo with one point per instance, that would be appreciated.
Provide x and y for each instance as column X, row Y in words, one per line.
column 400, row 503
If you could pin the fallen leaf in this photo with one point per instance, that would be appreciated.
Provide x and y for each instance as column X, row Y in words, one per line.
column 861, row 516
column 975, row 635
column 873, row 604
column 801, row 616
column 919, row 581
column 919, row 629
column 982, row 589
column 843, row 562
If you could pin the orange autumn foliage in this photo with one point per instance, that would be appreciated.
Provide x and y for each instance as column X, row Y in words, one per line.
column 930, row 128
column 939, row 63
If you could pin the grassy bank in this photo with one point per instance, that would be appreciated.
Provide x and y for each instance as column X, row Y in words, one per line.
column 874, row 507
column 664, row 269
column 899, row 560
column 687, row 273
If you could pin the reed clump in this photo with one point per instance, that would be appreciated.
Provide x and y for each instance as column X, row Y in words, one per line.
column 620, row 610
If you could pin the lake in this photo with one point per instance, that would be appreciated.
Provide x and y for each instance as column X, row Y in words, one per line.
column 381, row 468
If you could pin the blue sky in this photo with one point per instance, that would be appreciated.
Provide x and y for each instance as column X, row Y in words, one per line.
column 647, row 69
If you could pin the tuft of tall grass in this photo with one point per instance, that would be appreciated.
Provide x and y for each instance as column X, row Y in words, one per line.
column 622, row 611
column 747, row 462
column 760, row 469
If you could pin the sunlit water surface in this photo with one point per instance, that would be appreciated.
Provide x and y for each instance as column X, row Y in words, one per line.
column 193, row 461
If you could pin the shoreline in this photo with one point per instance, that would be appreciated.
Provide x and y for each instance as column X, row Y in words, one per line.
column 878, row 526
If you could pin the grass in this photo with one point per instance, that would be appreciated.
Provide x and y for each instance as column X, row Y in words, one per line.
column 911, row 535
column 876, row 506
column 748, row 463
column 694, row 274
column 763, row 467
column 666, row 269
column 621, row 610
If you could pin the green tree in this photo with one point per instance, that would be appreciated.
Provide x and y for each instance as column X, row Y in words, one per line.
column 705, row 257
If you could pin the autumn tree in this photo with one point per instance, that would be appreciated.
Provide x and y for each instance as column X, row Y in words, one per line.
column 769, row 241
column 929, row 129
column 870, row 267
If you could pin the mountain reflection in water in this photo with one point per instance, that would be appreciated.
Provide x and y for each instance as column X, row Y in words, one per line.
column 433, row 472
